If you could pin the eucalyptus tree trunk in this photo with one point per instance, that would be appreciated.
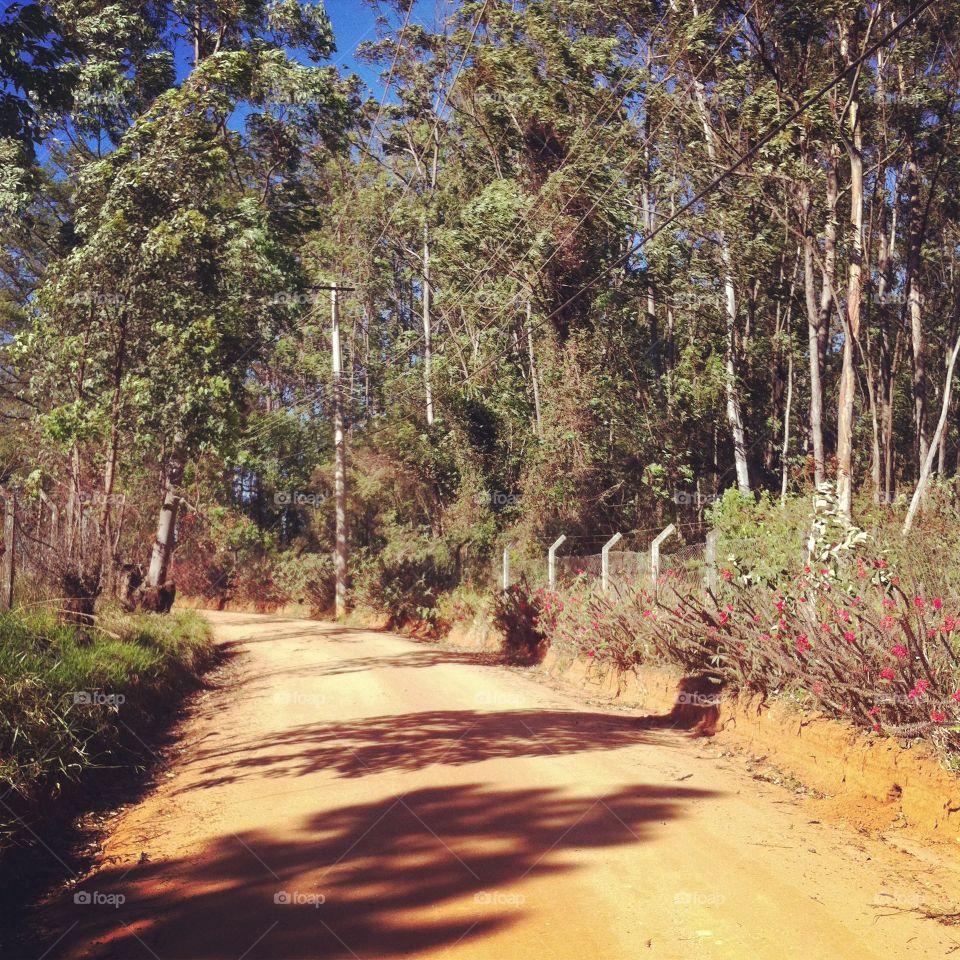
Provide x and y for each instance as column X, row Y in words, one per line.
column 110, row 463
column 927, row 466
column 813, row 339
column 915, row 308
column 167, row 522
column 848, row 383
column 734, row 411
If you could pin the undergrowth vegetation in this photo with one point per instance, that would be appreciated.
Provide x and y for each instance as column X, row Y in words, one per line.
column 851, row 630
column 73, row 701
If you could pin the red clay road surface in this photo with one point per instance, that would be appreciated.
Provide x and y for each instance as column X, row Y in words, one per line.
column 353, row 794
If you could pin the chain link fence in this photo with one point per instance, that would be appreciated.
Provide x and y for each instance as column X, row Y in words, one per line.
column 686, row 567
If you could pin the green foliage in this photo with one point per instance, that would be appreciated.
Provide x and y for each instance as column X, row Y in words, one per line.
column 760, row 538
column 517, row 616
column 70, row 704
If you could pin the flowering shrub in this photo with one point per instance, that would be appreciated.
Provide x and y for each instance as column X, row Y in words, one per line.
column 845, row 633
column 871, row 652
column 518, row 614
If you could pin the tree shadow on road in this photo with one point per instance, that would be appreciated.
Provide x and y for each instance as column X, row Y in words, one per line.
column 413, row 741
column 426, row 869
column 414, row 659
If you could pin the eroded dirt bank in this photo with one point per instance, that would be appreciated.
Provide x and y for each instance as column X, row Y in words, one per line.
column 356, row 794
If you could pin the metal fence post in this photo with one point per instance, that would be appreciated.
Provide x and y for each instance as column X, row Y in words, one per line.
column 605, row 561
column 655, row 555
column 552, row 561
column 711, row 560
column 7, row 569
column 505, row 582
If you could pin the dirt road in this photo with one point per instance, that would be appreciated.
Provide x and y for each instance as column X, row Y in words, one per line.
column 345, row 793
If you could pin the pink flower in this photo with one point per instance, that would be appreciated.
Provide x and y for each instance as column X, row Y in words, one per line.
column 818, row 688
column 919, row 689
column 918, row 602
column 780, row 605
column 937, row 603
column 899, row 651
column 802, row 642
column 591, row 653
column 726, row 574
column 874, row 711
column 887, row 674
column 849, row 636
column 886, row 623
column 937, row 717
column 956, row 696
column 876, row 728
column 724, row 616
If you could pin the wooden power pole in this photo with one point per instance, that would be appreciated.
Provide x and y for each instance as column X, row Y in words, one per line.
column 340, row 463
column 7, row 569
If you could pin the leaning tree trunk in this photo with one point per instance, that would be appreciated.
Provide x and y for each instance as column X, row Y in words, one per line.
column 167, row 524
column 927, row 466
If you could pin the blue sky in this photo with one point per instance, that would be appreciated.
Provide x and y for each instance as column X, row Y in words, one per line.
column 354, row 21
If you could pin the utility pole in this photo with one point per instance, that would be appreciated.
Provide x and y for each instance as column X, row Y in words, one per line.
column 427, row 327
column 7, row 568
column 533, row 372
column 340, row 465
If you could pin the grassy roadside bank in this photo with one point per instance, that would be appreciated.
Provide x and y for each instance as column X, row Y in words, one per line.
column 78, row 705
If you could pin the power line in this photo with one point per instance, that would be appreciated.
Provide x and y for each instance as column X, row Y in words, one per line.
column 718, row 180
column 461, row 298
column 728, row 171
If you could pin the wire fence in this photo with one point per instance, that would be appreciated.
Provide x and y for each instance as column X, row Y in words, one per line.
column 684, row 568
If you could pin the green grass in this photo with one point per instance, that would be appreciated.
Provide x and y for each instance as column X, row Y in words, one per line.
column 71, row 703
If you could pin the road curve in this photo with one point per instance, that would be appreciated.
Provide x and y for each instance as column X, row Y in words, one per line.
column 344, row 793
